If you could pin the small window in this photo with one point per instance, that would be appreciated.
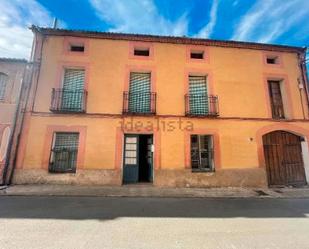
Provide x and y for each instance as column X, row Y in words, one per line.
column 77, row 48
column 272, row 60
column 197, row 55
column 141, row 51
column 63, row 156
column 3, row 83
column 202, row 153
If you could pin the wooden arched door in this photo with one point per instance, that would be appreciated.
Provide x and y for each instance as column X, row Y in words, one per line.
column 283, row 159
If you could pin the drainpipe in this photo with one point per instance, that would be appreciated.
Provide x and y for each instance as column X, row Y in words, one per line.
column 304, row 77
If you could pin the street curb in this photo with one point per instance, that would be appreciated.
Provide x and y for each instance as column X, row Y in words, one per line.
column 152, row 192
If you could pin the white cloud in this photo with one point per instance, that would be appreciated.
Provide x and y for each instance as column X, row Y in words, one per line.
column 268, row 20
column 206, row 31
column 138, row 16
column 16, row 17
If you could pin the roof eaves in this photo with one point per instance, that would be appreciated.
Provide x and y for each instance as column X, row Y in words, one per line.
column 167, row 39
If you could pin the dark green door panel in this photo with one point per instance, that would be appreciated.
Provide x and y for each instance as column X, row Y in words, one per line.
column 130, row 164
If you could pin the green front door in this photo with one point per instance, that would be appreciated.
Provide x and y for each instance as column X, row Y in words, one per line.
column 137, row 158
column 130, row 164
column 150, row 157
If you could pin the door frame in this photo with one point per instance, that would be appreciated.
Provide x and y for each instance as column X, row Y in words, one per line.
column 128, row 126
column 136, row 165
column 124, row 134
column 286, row 180
column 294, row 129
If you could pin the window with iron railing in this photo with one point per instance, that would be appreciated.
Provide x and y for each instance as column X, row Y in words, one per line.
column 139, row 99
column 139, row 103
column 64, row 100
column 201, row 105
column 64, row 150
column 197, row 101
column 72, row 96
column 202, row 153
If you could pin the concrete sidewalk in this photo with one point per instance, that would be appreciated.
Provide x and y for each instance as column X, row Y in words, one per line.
column 144, row 190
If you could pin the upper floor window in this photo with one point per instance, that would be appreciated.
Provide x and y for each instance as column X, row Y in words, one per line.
column 141, row 51
column 199, row 55
column 139, row 99
column 64, row 150
column 198, row 102
column 276, row 101
column 198, row 95
column 3, row 85
column 77, row 48
column 273, row 59
column 202, row 153
column 72, row 96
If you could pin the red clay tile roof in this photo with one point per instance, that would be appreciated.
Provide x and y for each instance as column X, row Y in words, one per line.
column 166, row 39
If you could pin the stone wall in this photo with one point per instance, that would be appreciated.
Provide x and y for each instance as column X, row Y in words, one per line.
column 254, row 177
column 162, row 178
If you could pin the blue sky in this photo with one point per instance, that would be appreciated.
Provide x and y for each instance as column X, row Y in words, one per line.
column 267, row 21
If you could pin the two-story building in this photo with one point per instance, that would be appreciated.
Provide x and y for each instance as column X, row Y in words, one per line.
column 11, row 77
column 112, row 109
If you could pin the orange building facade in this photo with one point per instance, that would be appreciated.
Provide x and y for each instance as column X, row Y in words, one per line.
column 113, row 109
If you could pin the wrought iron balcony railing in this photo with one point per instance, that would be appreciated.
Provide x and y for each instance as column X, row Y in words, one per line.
column 64, row 100
column 139, row 103
column 201, row 105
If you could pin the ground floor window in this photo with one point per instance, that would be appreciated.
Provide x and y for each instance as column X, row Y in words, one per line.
column 202, row 153
column 63, row 156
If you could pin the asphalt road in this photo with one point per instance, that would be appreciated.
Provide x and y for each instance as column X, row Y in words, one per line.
column 95, row 222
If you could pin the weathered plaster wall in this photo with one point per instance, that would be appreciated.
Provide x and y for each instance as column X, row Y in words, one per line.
column 15, row 72
column 237, row 76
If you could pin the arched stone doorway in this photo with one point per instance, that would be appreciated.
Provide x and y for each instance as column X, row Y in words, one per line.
column 283, row 158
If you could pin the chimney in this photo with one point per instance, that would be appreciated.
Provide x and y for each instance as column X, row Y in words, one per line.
column 55, row 24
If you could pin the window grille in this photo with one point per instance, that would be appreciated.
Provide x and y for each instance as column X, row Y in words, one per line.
column 73, row 90
column 202, row 152
column 64, row 152
column 139, row 93
column 198, row 98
